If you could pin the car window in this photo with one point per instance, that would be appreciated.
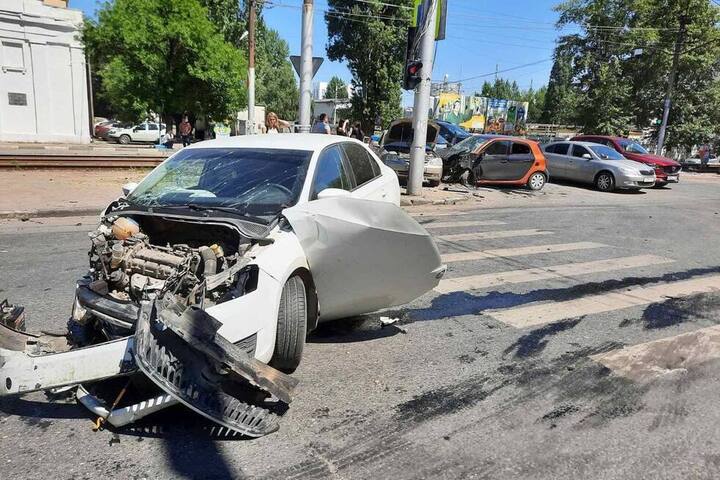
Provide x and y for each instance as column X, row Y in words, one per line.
column 632, row 147
column 579, row 151
column 498, row 148
column 141, row 127
column 152, row 126
column 361, row 163
column 520, row 149
column 561, row 148
column 330, row 172
column 606, row 153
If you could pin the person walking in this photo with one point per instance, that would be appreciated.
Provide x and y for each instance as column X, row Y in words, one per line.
column 186, row 129
column 322, row 125
column 273, row 124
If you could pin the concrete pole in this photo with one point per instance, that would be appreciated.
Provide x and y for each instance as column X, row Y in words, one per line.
column 306, row 66
column 250, row 130
column 422, row 105
column 671, row 85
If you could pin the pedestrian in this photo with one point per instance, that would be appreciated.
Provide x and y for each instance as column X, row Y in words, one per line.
column 273, row 124
column 186, row 130
column 357, row 132
column 167, row 139
column 705, row 155
column 322, row 125
column 343, row 128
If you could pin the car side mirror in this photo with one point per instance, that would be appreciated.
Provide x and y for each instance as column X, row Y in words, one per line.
column 587, row 156
column 128, row 188
column 333, row 193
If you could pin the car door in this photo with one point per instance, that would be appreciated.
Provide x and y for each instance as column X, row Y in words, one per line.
column 520, row 160
column 369, row 182
column 494, row 160
column 578, row 167
column 140, row 133
column 557, row 158
column 153, row 133
column 331, row 172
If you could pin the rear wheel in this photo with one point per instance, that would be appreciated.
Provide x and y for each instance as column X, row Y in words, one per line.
column 291, row 326
column 468, row 178
column 124, row 139
column 605, row 182
column 433, row 183
column 536, row 181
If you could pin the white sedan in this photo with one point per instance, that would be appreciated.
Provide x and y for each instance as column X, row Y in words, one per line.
column 255, row 238
column 141, row 133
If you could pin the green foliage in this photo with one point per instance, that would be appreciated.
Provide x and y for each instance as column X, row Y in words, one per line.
column 374, row 49
column 164, row 56
column 336, row 88
column 503, row 88
column 600, row 78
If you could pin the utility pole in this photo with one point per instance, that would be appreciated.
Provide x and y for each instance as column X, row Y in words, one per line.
column 250, row 130
column 671, row 84
column 422, row 103
column 306, row 66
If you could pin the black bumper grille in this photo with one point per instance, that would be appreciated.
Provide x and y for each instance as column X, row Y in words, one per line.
column 671, row 169
column 647, row 172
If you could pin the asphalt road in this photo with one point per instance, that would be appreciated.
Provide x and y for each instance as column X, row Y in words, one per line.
column 513, row 369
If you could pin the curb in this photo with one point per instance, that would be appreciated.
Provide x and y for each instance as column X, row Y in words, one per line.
column 50, row 213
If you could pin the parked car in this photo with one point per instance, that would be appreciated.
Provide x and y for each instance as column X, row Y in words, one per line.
column 666, row 170
column 499, row 160
column 451, row 132
column 695, row 163
column 597, row 165
column 103, row 129
column 142, row 133
column 450, row 156
column 220, row 262
column 394, row 150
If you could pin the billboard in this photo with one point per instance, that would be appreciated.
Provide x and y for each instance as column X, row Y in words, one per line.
column 482, row 114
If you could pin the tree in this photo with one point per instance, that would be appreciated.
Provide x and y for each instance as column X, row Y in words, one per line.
column 336, row 88
column 275, row 85
column 164, row 56
column 371, row 37
column 561, row 100
column 501, row 88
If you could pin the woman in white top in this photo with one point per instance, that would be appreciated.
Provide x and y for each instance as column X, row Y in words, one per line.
column 273, row 124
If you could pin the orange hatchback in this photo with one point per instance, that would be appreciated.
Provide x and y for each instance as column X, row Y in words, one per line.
column 493, row 159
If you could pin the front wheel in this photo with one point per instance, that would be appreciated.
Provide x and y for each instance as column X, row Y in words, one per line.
column 605, row 182
column 124, row 139
column 291, row 326
column 468, row 179
column 433, row 183
column 536, row 181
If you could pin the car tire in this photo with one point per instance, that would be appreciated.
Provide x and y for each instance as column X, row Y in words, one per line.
column 537, row 181
column 124, row 139
column 468, row 179
column 433, row 183
column 291, row 326
column 605, row 182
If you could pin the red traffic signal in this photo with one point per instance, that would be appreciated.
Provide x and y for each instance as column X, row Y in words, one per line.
column 412, row 77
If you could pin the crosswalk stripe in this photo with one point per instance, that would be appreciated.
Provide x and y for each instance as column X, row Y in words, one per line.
column 518, row 251
column 649, row 360
column 549, row 312
column 437, row 214
column 474, row 282
column 493, row 234
column 480, row 223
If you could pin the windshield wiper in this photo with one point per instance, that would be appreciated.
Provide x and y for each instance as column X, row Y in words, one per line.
column 207, row 208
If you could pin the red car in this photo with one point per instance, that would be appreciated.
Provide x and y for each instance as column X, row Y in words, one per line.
column 666, row 170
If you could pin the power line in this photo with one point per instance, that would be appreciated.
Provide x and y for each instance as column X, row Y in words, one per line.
column 517, row 67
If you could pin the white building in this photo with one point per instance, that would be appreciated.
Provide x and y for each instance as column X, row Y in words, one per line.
column 319, row 89
column 43, row 80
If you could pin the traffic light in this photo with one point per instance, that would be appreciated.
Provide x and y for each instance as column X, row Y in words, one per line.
column 413, row 72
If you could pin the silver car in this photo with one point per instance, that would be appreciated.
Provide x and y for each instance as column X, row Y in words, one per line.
column 596, row 164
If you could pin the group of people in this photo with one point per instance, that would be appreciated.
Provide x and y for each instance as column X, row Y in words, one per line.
column 185, row 129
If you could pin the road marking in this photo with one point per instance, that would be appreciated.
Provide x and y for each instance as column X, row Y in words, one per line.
column 439, row 214
column 493, row 234
column 519, row 251
column 549, row 312
column 462, row 224
column 646, row 361
column 476, row 282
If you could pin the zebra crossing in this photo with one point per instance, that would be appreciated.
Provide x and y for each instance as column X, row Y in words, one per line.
column 463, row 247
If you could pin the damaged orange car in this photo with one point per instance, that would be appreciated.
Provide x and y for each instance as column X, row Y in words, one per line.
column 498, row 160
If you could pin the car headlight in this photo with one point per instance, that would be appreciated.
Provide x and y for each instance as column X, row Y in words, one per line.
column 434, row 161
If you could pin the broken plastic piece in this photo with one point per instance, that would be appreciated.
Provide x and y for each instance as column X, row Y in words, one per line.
column 12, row 316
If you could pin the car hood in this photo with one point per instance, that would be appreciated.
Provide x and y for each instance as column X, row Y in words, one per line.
column 627, row 164
column 651, row 158
column 401, row 131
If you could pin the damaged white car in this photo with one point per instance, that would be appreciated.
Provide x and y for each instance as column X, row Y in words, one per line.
column 207, row 277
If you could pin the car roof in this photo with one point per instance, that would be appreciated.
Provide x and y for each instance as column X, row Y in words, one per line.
column 607, row 137
column 578, row 142
column 285, row 141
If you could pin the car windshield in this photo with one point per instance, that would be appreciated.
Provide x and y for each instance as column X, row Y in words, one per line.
column 606, row 153
column 257, row 182
column 469, row 144
column 455, row 130
column 632, row 147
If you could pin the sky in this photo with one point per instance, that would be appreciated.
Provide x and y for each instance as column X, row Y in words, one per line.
column 482, row 35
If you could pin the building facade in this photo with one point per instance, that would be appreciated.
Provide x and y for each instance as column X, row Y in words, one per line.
column 43, row 78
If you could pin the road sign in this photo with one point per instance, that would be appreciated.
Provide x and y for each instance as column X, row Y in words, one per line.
column 317, row 61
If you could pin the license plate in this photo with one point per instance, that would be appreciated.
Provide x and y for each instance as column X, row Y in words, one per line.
column 672, row 178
